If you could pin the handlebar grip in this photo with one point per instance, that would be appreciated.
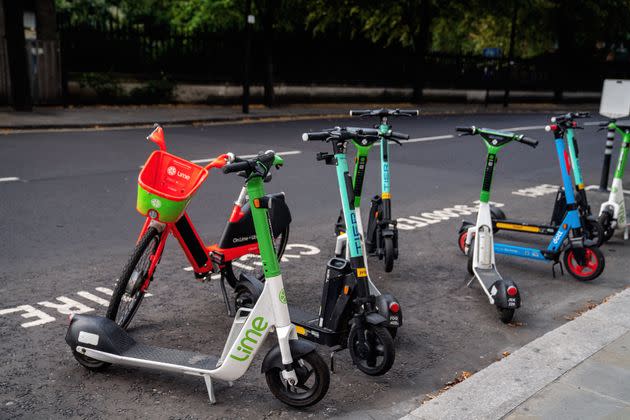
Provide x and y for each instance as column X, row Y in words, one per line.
column 359, row 112
column 464, row 130
column 400, row 136
column 317, row 135
column 236, row 167
column 367, row 132
column 529, row 141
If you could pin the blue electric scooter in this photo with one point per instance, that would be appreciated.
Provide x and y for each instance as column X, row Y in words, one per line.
column 584, row 262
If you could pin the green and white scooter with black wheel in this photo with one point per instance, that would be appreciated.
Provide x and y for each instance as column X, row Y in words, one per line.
column 294, row 371
column 612, row 213
column 353, row 314
column 381, row 236
column 479, row 242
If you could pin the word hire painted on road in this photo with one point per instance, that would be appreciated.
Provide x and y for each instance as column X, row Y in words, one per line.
column 63, row 305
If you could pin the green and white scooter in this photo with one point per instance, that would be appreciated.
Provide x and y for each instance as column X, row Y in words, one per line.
column 381, row 237
column 295, row 373
column 501, row 292
column 612, row 213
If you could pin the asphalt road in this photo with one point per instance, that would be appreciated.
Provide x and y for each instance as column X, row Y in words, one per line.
column 69, row 223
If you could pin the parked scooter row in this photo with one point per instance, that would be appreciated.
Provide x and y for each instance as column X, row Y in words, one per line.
column 353, row 313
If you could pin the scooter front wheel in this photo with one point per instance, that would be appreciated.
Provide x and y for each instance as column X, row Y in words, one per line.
column 371, row 349
column 313, row 381
column 605, row 220
column 506, row 315
column 594, row 232
column 593, row 266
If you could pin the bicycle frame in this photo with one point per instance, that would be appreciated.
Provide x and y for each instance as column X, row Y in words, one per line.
column 571, row 221
column 197, row 253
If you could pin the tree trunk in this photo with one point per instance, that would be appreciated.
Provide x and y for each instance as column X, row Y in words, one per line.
column 508, row 69
column 17, row 54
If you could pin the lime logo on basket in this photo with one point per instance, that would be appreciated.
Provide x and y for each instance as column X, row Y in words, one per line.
column 156, row 203
column 283, row 297
column 250, row 339
column 171, row 170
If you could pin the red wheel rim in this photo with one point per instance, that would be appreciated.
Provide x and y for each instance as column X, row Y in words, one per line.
column 462, row 241
column 592, row 263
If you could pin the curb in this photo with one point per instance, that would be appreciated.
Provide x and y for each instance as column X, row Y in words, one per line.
column 331, row 113
column 495, row 391
column 173, row 122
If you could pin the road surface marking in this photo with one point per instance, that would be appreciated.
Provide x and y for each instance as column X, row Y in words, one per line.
column 537, row 191
column 9, row 179
column 437, row 216
column 431, row 138
column 596, row 187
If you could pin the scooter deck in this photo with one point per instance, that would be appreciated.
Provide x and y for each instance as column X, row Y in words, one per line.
column 307, row 326
column 171, row 356
column 488, row 276
column 521, row 226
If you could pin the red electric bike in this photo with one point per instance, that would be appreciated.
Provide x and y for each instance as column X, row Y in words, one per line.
column 166, row 185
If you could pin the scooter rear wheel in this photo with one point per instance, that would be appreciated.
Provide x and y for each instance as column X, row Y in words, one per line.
column 89, row 363
column 375, row 354
column 593, row 267
column 313, row 381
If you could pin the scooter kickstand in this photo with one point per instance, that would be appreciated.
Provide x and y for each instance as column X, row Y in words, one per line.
column 230, row 311
column 470, row 281
column 332, row 357
column 553, row 269
column 208, row 380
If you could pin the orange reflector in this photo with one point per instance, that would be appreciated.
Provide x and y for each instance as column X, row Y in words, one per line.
column 300, row 330
column 361, row 272
column 346, row 290
column 386, row 195
column 564, row 226
column 257, row 203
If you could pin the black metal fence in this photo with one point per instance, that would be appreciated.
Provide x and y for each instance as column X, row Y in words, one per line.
column 300, row 58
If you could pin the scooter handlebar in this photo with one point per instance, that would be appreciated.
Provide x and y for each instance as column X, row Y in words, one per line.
column 236, row 167
column 528, row 141
column 316, row 136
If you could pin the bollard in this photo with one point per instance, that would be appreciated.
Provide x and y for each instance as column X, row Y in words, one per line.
column 610, row 138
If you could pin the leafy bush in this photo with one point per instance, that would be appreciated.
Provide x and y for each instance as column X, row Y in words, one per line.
column 154, row 91
column 107, row 88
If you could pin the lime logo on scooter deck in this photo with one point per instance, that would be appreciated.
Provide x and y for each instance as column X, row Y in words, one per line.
column 251, row 338
column 282, row 297
column 156, row 203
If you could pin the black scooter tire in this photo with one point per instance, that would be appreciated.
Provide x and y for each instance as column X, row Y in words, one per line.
column 312, row 395
column 605, row 219
column 89, row 363
column 595, row 233
column 506, row 315
column 385, row 348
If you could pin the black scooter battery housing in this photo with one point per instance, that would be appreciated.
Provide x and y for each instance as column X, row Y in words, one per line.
column 334, row 299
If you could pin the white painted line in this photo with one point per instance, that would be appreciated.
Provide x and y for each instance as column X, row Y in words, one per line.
column 290, row 152
column 93, row 298
column 9, row 179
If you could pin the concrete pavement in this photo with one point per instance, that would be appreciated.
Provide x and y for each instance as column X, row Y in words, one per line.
column 139, row 116
column 580, row 370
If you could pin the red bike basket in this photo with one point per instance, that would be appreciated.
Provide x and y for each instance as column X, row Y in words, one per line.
column 166, row 184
